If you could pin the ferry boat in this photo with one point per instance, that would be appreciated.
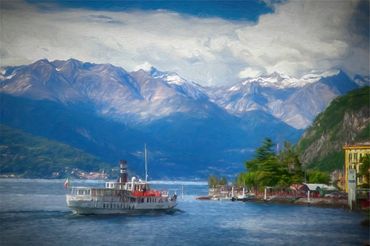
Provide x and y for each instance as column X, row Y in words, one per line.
column 121, row 197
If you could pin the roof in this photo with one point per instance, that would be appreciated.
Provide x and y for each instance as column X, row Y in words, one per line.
column 313, row 187
column 364, row 145
column 297, row 186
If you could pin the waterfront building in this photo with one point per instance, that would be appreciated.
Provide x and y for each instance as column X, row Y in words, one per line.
column 352, row 160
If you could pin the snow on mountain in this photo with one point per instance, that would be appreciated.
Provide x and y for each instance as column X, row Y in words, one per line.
column 362, row 80
column 84, row 105
column 275, row 79
column 4, row 76
column 282, row 81
column 181, row 85
column 168, row 93
column 150, row 94
column 294, row 101
column 113, row 92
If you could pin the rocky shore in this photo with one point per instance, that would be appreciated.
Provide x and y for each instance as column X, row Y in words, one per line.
column 319, row 202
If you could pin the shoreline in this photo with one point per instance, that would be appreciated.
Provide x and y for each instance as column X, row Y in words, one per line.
column 315, row 202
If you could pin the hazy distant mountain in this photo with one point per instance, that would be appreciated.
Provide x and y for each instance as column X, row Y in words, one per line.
column 191, row 130
column 35, row 157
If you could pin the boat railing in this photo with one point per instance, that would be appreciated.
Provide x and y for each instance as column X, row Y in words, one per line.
column 79, row 193
column 115, row 185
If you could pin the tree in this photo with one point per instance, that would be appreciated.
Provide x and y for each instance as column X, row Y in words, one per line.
column 212, row 181
column 247, row 179
column 270, row 169
column 223, row 181
column 316, row 176
column 289, row 157
column 263, row 153
column 266, row 150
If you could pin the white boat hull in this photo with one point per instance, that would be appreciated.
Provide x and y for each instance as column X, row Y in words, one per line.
column 92, row 211
column 95, row 207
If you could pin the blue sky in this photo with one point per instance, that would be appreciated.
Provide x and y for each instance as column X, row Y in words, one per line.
column 239, row 10
column 209, row 42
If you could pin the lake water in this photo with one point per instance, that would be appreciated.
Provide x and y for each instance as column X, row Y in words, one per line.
column 34, row 212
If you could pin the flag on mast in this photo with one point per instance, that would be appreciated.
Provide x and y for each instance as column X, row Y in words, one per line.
column 67, row 183
column 146, row 163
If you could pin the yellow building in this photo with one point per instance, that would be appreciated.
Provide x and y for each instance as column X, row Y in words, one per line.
column 352, row 159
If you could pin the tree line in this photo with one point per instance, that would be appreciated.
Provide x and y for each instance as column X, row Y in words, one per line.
column 282, row 169
column 214, row 181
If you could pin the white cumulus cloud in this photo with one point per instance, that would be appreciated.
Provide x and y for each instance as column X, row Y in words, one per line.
column 299, row 37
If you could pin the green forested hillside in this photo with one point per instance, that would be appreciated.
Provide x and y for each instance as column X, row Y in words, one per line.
column 26, row 155
column 345, row 121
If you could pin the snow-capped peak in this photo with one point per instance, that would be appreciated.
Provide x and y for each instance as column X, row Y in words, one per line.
column 5, row 74
column 180, row 84
column 275, row 79
column 155, row 73
column 175, row 79
column 169, row 77
column 280, row 80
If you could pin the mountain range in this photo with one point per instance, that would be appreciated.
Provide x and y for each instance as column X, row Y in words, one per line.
column 191, row 131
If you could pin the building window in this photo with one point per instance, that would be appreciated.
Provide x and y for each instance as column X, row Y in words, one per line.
column 355, row 156
column 350, row 157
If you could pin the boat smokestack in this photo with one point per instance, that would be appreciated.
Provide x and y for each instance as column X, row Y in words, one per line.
column 122, row 171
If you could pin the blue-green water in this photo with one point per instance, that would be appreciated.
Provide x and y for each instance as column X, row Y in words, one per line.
column 33, row 212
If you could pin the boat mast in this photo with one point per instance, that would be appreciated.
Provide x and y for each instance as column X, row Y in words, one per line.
column 146, row 163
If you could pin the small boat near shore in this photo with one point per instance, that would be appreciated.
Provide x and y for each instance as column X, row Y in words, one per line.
column 244, row 197
column 122, row 197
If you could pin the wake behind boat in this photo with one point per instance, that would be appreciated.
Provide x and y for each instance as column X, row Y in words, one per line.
column 122, row 197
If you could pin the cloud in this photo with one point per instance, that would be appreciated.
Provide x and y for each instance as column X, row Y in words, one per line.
column 300, row 36
column 304, row 35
